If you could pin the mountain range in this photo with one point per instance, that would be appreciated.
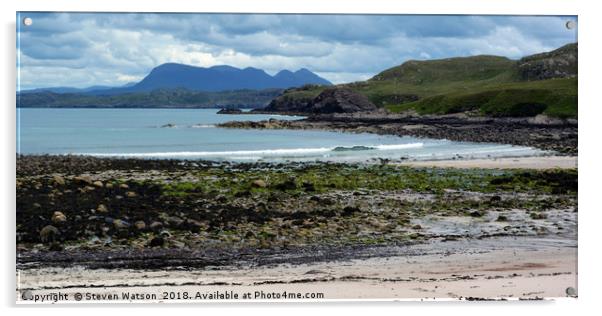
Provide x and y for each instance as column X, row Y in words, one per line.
column 212, row 79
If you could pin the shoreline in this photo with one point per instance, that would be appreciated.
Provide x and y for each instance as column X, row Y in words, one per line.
column 544, row 133
column 457, row 270
column 529, row 162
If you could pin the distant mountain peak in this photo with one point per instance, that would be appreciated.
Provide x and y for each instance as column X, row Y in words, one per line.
column 223, row 77
column 224, row 68
column 284, row 72
column 303, row 70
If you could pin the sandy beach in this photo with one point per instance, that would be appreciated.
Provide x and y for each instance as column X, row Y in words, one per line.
column 499, row 268
column 540, row 163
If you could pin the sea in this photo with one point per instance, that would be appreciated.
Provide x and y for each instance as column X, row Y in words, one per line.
column 192, row 134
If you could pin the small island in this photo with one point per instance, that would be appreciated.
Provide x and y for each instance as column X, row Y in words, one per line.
column 229, row 111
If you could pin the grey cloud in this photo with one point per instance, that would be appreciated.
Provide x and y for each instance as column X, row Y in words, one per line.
column 342, row 47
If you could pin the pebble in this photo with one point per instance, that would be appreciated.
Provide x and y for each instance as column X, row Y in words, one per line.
column 58, row 217
column 476, row 214
column 84, row 179
column 502, row 218
column 174, row 221
column 120, row 224
column 178, row 244
column 58, row 180
column 156, row 226
column 157, row 242
column 140, row 225
column 102, row 208
column 259, row 184
column 55, row 246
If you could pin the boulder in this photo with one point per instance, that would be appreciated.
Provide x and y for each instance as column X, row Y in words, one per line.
column 49, row 233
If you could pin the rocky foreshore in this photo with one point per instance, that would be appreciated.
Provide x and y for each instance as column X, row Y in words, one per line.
column 540, row 132
column 137, row 213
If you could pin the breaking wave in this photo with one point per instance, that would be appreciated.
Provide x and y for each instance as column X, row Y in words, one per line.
column 255, row 153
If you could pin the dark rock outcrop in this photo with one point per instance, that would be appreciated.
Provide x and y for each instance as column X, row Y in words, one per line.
column 340, row 100
column 229, row 111
column 286, row 103
column 330, row 100
column 294, row 100
column 559, row 63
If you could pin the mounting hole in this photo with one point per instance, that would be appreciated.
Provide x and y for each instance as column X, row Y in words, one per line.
column 27, row 21
column 571, row 25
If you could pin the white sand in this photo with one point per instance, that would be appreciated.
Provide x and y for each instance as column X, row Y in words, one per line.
column 550, row 162
column 523, row 271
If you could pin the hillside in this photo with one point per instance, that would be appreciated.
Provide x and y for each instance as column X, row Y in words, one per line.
column 486, row 85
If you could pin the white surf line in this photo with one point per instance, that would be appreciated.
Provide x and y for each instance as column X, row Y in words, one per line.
column 264, row 152
column 399, row 146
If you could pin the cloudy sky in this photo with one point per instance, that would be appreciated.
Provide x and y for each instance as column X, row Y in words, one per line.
column 84, row 49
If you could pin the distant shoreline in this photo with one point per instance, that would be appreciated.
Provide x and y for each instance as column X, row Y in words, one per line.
column 538, row 163
column 131, row 107
column 538, row 132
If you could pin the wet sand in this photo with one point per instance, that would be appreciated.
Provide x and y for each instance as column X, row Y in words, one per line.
column 495, row 268
column 540, row 163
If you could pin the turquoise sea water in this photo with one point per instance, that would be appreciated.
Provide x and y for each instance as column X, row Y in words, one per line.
column 192, row 135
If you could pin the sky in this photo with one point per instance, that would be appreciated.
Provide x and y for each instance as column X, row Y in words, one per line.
column 86, row 49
